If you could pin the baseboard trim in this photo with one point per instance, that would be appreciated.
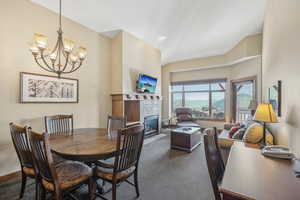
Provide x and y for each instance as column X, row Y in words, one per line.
column 9, row 176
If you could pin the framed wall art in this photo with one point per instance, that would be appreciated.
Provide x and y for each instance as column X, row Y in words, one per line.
column 37, row 88
column 275, row 97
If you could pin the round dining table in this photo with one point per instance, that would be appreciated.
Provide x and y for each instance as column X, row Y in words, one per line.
column 85, row 144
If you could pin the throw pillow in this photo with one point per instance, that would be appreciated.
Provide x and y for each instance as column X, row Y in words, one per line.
column 233, row 130
column 239, row 134
column 253, row 134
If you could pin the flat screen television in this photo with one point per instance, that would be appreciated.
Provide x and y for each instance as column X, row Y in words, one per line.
column 146, row 84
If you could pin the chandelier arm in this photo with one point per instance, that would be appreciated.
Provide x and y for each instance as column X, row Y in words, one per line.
column 45, row 62
column 66, row 64
column 74, row 68
column 39, row 64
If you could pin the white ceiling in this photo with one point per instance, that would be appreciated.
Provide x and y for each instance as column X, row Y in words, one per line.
column 192, row 28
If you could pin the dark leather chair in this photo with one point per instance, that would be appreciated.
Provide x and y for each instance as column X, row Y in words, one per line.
column 185, row 118
column 59, row 124
column 129, row 145
column 22, row 147
column 214, row 160
column 58, row 179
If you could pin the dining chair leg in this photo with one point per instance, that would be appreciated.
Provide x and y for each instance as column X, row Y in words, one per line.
column 92, row 188
column 136, row 183
column 42, row 193
column 24, row 179
column 114, row 191
column 37, row 190
column 58, row 195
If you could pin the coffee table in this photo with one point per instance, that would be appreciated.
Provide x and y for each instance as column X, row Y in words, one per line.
column 185, row 138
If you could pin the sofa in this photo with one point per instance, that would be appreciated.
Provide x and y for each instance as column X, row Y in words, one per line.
column 253, row 133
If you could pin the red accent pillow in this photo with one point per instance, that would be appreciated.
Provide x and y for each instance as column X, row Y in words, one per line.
column 233, row 130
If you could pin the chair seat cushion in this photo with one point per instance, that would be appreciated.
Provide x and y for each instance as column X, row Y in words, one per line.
column 188, row 124
column 70, row 173
column 109, row 163
column 29, row 171
column 57, row 159
column 107, row 173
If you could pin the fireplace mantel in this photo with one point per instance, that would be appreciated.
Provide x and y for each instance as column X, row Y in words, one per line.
column 136, row 107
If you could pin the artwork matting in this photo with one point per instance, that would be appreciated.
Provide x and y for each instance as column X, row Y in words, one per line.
column 38, row 88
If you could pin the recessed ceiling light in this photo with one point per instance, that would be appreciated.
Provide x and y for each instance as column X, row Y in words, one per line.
column 161, row 38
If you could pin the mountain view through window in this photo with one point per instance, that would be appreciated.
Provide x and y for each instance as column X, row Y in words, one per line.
column 206, row 99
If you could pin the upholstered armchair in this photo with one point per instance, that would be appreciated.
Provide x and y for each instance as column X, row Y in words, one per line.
column 185, row 118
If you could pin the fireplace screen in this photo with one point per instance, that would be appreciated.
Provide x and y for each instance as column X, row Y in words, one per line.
column 151, row 124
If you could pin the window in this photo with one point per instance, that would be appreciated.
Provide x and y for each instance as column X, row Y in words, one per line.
column 205, row 98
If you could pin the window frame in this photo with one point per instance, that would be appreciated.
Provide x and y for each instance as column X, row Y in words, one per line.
column 209, row 91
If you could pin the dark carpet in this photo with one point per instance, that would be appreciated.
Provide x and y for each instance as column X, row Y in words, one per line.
column 164, row 174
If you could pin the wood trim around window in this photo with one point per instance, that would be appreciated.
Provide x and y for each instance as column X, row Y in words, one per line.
column 207, row 81
column 232, row 92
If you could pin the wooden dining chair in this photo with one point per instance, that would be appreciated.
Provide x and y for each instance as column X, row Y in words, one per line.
column 114, row 124
column 214, row 160
column 22, row 147
column 58, row 179
column 129, row 146
column 59, row 124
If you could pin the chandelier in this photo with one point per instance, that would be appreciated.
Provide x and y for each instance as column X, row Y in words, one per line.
column 62, row 59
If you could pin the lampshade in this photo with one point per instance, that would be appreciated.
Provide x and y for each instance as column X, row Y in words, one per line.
column 82, row 53
column 41, row 40
column 265, row 113
column 68, row 45
column 253, row 105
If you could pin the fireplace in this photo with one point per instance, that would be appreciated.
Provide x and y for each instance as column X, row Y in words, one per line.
column 151, row 125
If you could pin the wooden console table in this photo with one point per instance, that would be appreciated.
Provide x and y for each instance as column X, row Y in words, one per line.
column 249, row 173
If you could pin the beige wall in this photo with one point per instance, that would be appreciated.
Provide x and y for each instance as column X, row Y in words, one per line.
column 281, row 49
column 21, row 19
column 248, row 68
column 242, row 61
column 132, row 56
column 117, row 64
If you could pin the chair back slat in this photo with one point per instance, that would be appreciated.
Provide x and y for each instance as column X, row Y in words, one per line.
column 114, row 124
column 42, row 155
column 214, row 160
column 21, row 144
column 129, row 145
column 59, row 124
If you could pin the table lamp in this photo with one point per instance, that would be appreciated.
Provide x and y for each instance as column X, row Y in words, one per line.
column 265, row 114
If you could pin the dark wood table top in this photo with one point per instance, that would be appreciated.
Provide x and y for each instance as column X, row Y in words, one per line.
column 86, row 144
column 253, row 175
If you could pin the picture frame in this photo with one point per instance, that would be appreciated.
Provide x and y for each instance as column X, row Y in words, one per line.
column 275, row 97
column 39, row 88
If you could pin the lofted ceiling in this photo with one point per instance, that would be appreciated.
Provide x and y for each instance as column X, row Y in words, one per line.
column 181, row 29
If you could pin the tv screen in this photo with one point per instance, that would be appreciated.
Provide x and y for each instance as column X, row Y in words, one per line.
column 146, row 84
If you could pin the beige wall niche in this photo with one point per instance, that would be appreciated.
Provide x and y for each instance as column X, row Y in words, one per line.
column 130, row 57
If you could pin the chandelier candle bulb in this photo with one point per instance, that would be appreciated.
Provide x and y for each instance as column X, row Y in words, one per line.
column 73, row 58
column 34, row 49
column 41, row 40
column 53, row 56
